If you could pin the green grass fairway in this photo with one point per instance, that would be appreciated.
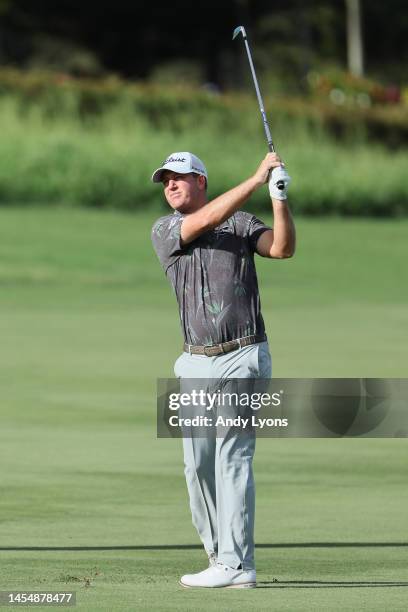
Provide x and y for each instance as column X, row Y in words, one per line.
column 91, row 501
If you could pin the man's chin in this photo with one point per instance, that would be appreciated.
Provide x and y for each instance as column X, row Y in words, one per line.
column 181, row 207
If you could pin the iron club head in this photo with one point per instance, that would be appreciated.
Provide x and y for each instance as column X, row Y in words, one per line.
column 239, row 30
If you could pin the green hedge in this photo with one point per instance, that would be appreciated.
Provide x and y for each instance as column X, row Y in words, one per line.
column 97, row 143
column 179, row 107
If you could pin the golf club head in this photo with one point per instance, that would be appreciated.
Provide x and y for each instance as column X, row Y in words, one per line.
column 239, row 30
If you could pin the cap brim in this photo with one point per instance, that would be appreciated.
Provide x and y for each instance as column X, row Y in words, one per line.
column 157, row 174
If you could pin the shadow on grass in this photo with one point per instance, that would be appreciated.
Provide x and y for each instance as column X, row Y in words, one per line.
column 199, row 546
column 331, row 584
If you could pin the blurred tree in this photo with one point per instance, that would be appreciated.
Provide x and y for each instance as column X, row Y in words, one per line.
column 355, row 58
column 295, row 37
column 386, row 39
column 52, row 53
column 289, row 36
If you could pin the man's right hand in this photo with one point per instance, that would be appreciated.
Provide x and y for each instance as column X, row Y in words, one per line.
column 271, row 160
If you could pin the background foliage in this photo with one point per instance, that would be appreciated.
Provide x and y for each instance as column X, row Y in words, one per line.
column 94, row 96
column 290, row 37
column 96, row 143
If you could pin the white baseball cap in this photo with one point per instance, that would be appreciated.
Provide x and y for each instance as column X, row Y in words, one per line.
column 183, row 163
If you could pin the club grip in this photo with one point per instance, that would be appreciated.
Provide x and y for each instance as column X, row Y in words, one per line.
column 280, row 185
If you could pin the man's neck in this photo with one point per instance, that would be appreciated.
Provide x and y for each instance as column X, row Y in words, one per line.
column 190, row 212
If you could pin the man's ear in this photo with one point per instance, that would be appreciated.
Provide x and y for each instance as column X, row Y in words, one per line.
column 202, row 182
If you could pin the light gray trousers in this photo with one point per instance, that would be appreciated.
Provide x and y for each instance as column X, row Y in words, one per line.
column 218, row 470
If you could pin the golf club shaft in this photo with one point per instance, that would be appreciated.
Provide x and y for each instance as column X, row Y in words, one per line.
column 258, row 94
column 241, row 30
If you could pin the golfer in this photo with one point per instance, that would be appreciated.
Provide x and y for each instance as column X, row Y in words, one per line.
column 207, row 252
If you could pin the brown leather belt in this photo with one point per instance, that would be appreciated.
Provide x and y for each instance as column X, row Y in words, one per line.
column 225, row 347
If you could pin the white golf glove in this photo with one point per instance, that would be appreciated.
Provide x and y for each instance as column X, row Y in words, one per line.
column 279, row 174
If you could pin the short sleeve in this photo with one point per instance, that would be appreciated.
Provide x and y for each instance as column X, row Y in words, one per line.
column 166, row 239
column 255, row 230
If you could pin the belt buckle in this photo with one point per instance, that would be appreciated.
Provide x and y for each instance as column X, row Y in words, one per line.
column 207, row 348
column 211, row 350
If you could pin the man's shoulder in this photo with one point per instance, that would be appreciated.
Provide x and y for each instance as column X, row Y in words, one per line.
column 165, row 223
column 240, row 220
column 246, row 219
column 242, row 215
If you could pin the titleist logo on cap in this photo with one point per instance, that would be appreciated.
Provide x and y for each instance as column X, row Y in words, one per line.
column 173, row 159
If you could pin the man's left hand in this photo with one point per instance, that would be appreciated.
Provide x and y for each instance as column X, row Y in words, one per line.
column 279, row 175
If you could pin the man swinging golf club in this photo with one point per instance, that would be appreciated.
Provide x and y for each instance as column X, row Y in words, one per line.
column 207, row 252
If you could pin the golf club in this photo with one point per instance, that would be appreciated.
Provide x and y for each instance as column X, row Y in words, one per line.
column 241, row 30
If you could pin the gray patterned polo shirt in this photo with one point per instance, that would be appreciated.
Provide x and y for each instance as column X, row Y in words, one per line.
column 214, row 277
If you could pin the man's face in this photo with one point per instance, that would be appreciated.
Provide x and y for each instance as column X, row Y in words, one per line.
column 182, row 191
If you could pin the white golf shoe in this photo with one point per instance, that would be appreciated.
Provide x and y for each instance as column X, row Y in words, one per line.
column 221, row 576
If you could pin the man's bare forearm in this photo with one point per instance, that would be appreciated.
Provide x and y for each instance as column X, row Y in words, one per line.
column 284, row 233
column 222, row 207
